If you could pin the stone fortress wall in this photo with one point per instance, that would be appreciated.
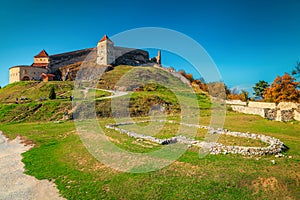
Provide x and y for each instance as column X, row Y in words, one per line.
column 284, row 111
column 129, row 56
column 64, row 59
column 25, row 73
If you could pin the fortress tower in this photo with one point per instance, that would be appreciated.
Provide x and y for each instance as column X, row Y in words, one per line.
column 105, row 51
column 158, row 57
column 41, row 60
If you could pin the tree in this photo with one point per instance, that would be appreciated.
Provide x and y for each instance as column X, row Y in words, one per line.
column 52, row 94
column 244, row 95
column 189, row 77
column 283, row 89
column 296, row 71
column 201, row 83
column 217, row 89
column 259, row 88
column 182, row 72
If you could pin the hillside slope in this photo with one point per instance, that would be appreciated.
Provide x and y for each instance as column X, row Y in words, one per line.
column 144, row 93
column 34, row 90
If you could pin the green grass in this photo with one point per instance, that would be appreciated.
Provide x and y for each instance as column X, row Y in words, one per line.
column 110, row 78
column 34, row 90
column 34, row 111
column 59, row 155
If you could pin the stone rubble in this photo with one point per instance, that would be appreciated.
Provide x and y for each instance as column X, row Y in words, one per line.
column 276, row 147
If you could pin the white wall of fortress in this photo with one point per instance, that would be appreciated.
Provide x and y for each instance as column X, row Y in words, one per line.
column 253, row 104
column 14, row 74
column 249, row 110
column 19, row 72
column 284, row 111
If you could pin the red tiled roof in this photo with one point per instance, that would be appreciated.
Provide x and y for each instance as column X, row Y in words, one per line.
column 43, row 75
column 105, row 37
column 40, row 64
column 42, row 54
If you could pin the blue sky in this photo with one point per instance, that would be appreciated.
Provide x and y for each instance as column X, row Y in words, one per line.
column 248, row 40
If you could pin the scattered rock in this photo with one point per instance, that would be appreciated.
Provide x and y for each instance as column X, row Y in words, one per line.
column 273, row 162
column 279, row 155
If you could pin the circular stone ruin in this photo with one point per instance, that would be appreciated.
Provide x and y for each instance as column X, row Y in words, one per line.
column 275, row 145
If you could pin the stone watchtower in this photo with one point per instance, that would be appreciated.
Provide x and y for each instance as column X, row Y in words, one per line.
column 105, row 51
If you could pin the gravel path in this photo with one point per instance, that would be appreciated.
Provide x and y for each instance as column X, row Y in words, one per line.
column 14, row 184
column 113, row 92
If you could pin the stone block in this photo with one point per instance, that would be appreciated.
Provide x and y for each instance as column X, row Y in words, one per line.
column 284, row 115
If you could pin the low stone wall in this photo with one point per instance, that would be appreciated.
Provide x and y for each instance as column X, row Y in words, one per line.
column 275, row 145
column 284, row 111
column 236, row 102
column 247, row 110
column 254, row 104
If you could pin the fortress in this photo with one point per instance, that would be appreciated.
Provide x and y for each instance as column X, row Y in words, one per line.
column 57, row 67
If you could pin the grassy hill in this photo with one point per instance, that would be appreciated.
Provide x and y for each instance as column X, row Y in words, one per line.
column 34, row 104
column 60, row 155
column 152, row 91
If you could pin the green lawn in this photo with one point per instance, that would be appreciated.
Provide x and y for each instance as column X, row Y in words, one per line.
column 60, row 155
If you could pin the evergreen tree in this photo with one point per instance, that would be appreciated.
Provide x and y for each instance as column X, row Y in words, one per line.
column 296, row 71
column 259, row 88
column 52, row 94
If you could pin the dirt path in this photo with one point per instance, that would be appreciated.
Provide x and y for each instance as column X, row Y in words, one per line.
column 14, row 184
column 114, row 93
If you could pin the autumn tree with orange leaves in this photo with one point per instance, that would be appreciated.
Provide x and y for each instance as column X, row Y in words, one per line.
column 283, row 88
